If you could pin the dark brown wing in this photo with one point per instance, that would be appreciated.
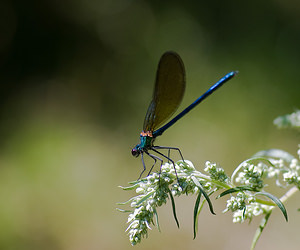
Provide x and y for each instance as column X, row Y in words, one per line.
column 168, row 91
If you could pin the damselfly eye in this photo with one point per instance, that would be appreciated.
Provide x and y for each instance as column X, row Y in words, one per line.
column 135, row 152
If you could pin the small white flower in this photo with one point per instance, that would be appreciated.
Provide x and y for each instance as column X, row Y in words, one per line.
column 130, row 218
column 238, row 216
column 257, row 210
column 149, row 208
column 139, row 190
column 294, row 164
column 250, row 199
column 133, row 225
column 167, row 179
column 147, row 224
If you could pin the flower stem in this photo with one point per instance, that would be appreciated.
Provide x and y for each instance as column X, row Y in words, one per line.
column 264, row 221
column 259, row 230
column 289, row 194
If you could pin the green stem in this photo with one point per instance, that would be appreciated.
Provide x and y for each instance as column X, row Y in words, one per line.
column 264, row 221
column 289, row 194
column 259, row 230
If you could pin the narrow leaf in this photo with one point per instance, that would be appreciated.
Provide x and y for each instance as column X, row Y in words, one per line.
column 126, row 202
column 276, row 201
column 130, row 187
column 173, row 208
column 156, row 219
column 137, row 181
column 197, row 183
column 145, row 198
column 123, row 211
column 196, row 214
column 234, row 190
column 244, row 212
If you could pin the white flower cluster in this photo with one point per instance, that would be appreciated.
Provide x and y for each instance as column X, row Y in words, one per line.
column 236, row 203
column 185, row 171
column 290, row 120
column 142, row 214
column 292, row 176
column 216, row 173
column 254, row 209
column 153, row 192
column 244, row 207
column 252, row 175
column 289, row 168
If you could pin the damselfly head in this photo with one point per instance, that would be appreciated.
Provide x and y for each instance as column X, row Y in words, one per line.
column 135, row 152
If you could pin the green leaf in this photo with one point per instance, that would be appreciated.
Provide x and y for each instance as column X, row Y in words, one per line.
column 197, row 183
column 244, row 212
column 196, row 214
column 234, row 190
column 173, row 208
column 126, row 202
column 123, row 211
column 145, row 198
column 138, row 181
column 130, row 187
column 276, row 201
column 156, row 219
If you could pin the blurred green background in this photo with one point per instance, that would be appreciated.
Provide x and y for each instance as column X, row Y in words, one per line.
column 76, row 78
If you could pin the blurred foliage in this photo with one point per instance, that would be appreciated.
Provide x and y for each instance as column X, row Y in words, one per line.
column 75, row 81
